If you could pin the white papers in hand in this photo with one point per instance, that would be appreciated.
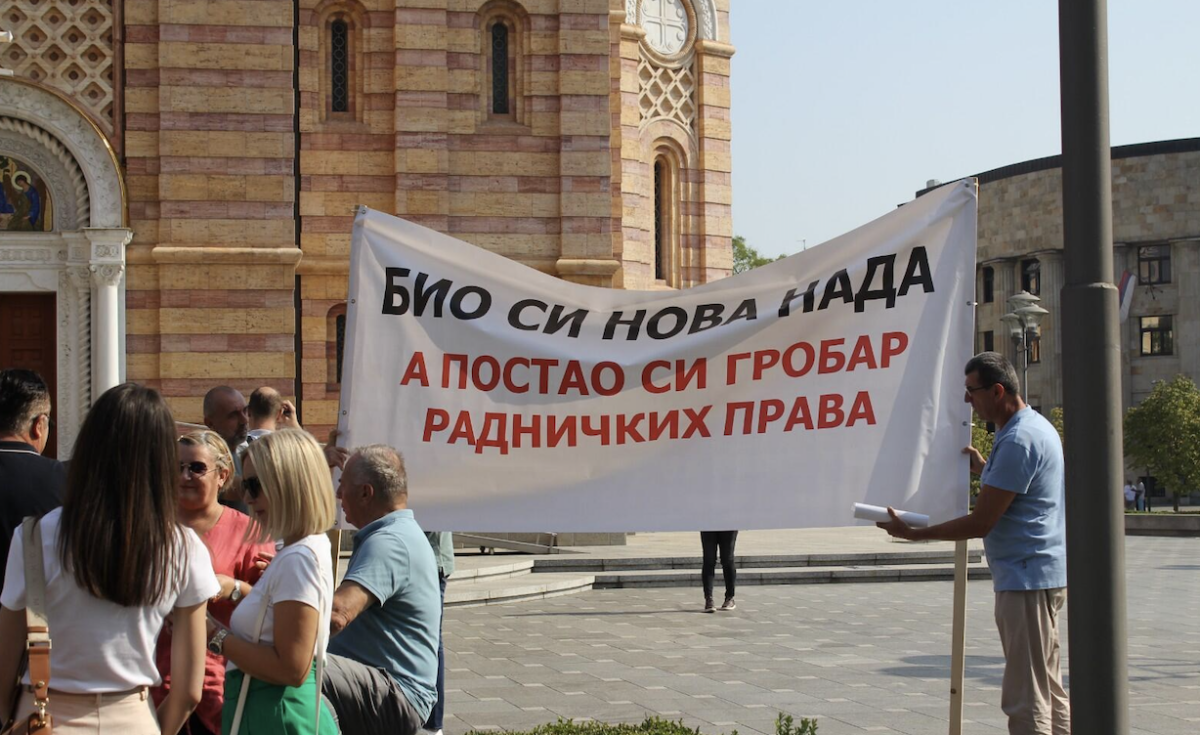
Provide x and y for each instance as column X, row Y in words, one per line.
column 879, row 514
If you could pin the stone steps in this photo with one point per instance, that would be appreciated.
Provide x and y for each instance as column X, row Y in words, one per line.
column 791, row 575
column 539, row 578
column 493, row 589
column 600, row 564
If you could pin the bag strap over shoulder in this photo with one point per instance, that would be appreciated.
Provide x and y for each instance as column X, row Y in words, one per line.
column 36, row 624
column 322, row 639
column 258, row 626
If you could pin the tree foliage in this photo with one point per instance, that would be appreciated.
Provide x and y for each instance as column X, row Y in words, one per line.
column 1163, row 435
column 745, row 257
column 1056, row 418
column 981, row 439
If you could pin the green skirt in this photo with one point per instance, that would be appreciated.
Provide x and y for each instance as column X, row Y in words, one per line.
column 275, row 709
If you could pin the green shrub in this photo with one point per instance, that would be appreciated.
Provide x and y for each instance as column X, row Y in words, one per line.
column 784, row 725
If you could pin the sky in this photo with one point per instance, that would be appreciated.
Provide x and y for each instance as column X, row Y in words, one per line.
column 843, row 109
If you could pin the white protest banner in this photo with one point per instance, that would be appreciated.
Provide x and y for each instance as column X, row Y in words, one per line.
column 773, row 399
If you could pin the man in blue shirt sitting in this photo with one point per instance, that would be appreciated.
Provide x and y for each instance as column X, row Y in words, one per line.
column 381, row 671
column 1019, row 515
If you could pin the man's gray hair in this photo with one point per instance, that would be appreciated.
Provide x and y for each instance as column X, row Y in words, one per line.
column 381, row 467
column 23, row 398
column 994, row 369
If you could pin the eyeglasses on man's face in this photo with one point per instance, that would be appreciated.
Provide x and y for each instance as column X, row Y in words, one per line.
column 971, row 390
column 195, row 469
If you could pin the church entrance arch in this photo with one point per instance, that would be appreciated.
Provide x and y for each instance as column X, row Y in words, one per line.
column 63, row 232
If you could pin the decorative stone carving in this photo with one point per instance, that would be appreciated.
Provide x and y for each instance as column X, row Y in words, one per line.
column 86, row 144
column 706, row 17
column 666, row 94
column 65, row 45
column 55, row 164
column 666, row 24
column 107, row 275
column 706, row 14
column 80, row 277
column 26, row 255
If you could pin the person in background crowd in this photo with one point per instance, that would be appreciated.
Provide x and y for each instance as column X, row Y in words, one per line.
column 30, row 484
column 268, row 411
column 443, row 549
column 116, row 564
column 382, row 675
column 1139, row 495
column 710, row 542
column 205, row 470
column 276, row 634
column 225, row 413
column 1021, row 518
column 1130, row 494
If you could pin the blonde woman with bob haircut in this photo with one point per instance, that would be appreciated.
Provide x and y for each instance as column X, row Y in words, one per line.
column 278, row 632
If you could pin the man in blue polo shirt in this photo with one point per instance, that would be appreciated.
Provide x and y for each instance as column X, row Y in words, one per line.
column 381, row 671
column 1019, row 515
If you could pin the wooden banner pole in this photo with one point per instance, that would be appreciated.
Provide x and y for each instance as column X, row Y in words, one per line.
column 958, row 636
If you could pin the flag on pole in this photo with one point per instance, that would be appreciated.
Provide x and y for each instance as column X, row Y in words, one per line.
column 1125, row 288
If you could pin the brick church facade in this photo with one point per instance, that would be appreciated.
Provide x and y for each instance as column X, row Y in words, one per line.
column 179, row 176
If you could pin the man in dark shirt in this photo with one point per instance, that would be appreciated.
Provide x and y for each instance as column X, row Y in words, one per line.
column 30, row 484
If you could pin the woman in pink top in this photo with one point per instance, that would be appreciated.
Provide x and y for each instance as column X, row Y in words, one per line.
column 205, row 471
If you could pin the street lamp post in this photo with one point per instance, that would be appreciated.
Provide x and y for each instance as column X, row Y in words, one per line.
column 1023, row 319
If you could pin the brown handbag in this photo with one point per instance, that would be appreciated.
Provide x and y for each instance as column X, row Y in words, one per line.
column 37, row 643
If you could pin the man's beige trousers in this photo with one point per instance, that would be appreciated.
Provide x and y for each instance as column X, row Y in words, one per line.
column 1032, row 694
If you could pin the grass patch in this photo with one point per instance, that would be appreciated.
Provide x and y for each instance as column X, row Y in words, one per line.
column 784, row 725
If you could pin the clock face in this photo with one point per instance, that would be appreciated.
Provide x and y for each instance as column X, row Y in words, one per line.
column 666, row 25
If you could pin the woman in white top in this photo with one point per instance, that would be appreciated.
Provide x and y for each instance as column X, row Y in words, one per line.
column 116, row 564
column 280, row 629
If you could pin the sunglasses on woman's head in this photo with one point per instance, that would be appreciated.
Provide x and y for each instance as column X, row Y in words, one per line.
column 251, row 487
column 197, row 469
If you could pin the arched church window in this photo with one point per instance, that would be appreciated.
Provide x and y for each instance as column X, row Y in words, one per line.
column 667, row 215
column 500, row 61
column 659, row 235
column 503, row 81
column 339, row 66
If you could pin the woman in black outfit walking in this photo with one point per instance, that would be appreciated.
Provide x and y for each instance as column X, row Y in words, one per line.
column 712, row 541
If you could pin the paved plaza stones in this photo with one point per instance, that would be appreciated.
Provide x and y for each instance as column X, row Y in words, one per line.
column 860, row 657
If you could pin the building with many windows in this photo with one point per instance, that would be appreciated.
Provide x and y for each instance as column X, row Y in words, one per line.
column 176, row 179
column 1156, row 237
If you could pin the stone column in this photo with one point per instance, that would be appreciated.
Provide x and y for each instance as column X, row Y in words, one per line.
column 107, row 266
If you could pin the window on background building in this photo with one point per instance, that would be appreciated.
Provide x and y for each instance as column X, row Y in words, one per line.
column 1031, row 276
column 1035, row 349
column 339, row 66
column 1157, row 336
column 989, row 284
column 989, row 341
column 340, row 322
column 500, row 91
column 1154, row 264
column 660, row 175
